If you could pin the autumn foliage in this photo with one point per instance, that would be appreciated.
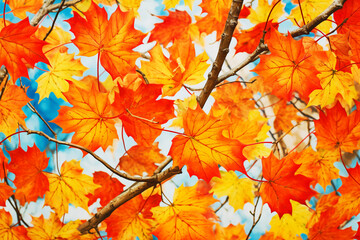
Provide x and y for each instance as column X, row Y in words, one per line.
column 172, row 132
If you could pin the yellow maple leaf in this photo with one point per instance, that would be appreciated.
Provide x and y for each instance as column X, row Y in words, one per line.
column 182, row 68
column 310, row 9
column 55, row 40
column 53, row 228
column 71, row 186
column 333, row 83
column 63, row 67
column 260, row 14
column 239, row 190
column 182, row 106
column 290, row 227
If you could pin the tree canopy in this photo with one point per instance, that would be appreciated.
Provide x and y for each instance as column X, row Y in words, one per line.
column 174, row 119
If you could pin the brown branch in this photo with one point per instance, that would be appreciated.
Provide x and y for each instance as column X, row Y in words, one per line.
column 305, row 29
column 48, row 7
column 125, row 196
column 152, row 179
column 226, row 37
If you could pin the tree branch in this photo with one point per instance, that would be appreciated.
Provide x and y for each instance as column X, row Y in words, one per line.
column 152, row 179
column 125, row 196
column 226, row 37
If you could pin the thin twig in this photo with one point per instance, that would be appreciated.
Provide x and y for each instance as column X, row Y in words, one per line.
column 222, row 204
column 53, row 23
column 143, row 75
column 121, row 174
column 141, row 118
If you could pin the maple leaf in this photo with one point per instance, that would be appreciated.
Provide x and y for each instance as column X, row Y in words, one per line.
column 132, row 219
column 141, row 113
column 349, row 201
column 248, row 40
column 291, row 226
column 182, row 107
column 308, row 10
column 113, row 39
column 55, row 80
column 230, row 232
column 11, row 114
column 285, row 114
column 55, row 41
column 318, row 166
column 287, row 68
column 239, row 190
column 175, row 26
column 8, row 231
column 90, row 117
column 53, row 228
column 333, row 83
column 5, row 192
column 260, row 15
column 328, row 228
column 19, row 47
column 28, row 166
column 283, row 184
column 71, row 186
column 183, row 68
column 187, row 217
column 20, row 7
column 235, row 98
column 202, row 146
column 337, row 130
column 185, row 225
column 109, row 185
column 215, row 19
column 140, row 159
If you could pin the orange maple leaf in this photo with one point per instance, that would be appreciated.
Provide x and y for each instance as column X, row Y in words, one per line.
column 202, row 146
column 132, row 219
column 20, row 7
column 188, row 217
column 328, row 227
column 19, row 47
column 217, row 11
column 176, row 26
column 5, row 192
column 287, row 68
column 90, row 117
column 28, row 166
column 284, row 115
column 8, row 231
column 283, row 184
column 11, row 114
column 141, row 113
column 3, row 164
column 113, row 39
column 318, row 165
column 110, row 188
column 140, row 159
column 349, row 202
column 337, row 130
